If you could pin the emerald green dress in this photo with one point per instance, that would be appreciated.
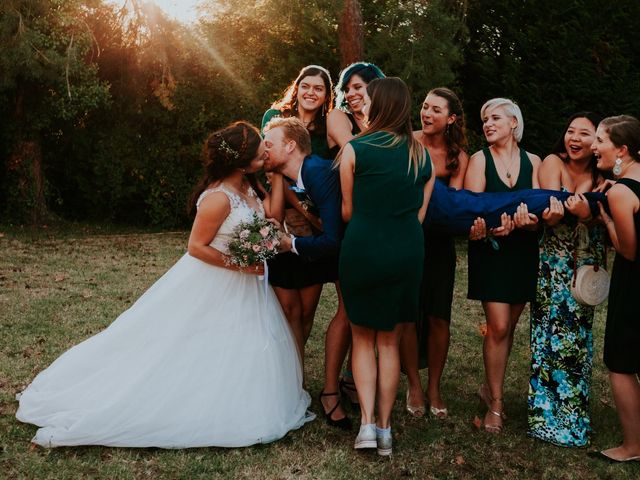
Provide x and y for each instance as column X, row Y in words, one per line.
column 381, row 257
column 508, row 273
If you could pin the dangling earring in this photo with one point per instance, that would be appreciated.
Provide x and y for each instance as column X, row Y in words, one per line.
column 446, row 130
column 617, row 168
column 324, row 110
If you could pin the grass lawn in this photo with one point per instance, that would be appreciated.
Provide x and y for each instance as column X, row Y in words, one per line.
column 60, row 286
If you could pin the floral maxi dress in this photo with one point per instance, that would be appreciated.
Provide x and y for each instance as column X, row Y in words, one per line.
column 561, row 337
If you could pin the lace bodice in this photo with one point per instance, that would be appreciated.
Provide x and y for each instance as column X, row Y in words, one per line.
column 240, row 212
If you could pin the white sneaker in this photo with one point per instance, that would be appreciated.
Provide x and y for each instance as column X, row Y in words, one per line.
column 384, row 444
column 366, row 437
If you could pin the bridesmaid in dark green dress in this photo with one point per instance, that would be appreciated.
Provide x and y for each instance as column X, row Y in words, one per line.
column 504, row 279
column 617, row 145
column 386, row 178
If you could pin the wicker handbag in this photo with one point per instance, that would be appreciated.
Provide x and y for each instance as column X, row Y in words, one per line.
column 590, row 285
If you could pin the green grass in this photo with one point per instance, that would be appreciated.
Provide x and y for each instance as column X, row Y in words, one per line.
column 60, row 286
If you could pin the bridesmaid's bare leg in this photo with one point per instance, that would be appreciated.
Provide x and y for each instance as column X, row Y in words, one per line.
column 388, row 344
column 410, row 360
column 337, row 340
column 626, row 393
column 501, row 322
column 291, row 304
column 309, row 296
column 365, row 370
column 437, row 351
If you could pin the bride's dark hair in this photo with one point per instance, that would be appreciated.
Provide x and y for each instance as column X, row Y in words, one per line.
column 225, row 151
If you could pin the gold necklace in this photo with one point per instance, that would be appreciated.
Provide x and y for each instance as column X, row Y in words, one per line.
column 507, row 167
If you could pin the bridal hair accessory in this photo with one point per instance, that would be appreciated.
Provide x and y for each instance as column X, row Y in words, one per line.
column 617, row 168
column 226, row 148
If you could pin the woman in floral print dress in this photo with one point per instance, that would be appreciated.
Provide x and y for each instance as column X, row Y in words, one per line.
column 561, row 335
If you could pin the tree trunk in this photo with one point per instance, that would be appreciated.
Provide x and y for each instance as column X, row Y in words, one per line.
column 26, row 199
column 24, row 183
column 351, row 33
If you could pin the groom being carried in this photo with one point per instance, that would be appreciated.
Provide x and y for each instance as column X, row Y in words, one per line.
column 288, row 147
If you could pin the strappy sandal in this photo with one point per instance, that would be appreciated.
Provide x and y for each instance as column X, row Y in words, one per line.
column 348, row 390
column 415, row 411
column 485, row 396
column 343, row 423
column 494, row 428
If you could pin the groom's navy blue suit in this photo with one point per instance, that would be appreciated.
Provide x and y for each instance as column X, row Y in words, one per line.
column 322, row 187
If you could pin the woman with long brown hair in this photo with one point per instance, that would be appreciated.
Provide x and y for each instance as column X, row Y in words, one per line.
column 443, row 135
column 617, row 147
column 382, row 251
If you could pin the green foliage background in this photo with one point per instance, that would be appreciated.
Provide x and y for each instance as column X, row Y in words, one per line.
column 119, row 100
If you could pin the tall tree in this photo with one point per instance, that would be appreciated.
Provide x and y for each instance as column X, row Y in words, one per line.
column 46, row 76
column 351, row 33
column 417, row 41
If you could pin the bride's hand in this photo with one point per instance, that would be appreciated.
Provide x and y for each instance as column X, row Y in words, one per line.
column 255, row 269
column 275, row 222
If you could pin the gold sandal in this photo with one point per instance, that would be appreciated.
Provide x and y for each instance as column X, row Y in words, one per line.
column 417, row 411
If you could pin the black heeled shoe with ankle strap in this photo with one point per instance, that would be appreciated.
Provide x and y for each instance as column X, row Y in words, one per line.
column 343, row 423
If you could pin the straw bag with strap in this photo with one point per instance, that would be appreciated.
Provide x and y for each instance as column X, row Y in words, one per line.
column 590, row 284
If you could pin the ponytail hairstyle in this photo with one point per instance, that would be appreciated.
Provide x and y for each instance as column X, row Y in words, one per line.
column 624, row 130
column 559, row 149
column 391, row 112
column 225, row 151
column 455, row 136
column 288, row 104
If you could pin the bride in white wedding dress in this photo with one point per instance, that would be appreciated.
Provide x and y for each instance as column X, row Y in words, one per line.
column 203, row 358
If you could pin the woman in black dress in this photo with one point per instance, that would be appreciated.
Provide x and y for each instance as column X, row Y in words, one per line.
column 617, row 147
column 504, row 279
column 443, row 135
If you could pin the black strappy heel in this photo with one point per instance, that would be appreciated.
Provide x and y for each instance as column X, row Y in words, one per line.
column 344, row 423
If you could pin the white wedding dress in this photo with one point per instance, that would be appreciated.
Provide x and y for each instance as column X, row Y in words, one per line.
column 203, row 358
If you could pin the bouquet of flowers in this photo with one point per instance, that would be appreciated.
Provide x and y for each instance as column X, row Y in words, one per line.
column 253, row 242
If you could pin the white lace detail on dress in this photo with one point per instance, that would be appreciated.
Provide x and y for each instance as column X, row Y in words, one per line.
column 240, row 212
